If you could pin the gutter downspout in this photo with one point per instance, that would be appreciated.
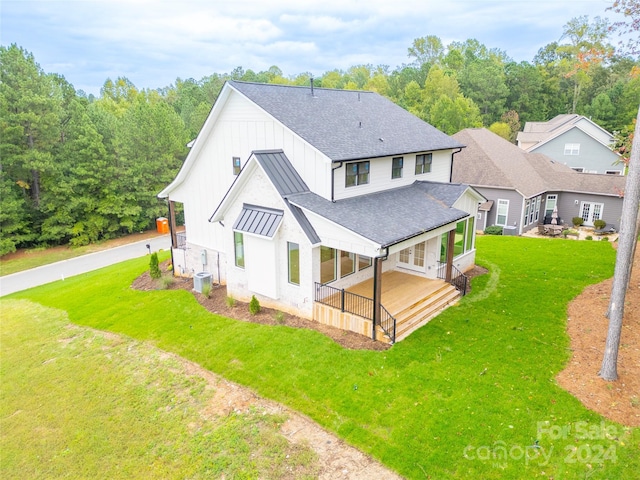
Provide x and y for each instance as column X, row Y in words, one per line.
column 333, row 169
column 451, row 169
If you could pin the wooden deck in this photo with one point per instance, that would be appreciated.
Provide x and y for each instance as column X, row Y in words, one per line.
column 411, row 299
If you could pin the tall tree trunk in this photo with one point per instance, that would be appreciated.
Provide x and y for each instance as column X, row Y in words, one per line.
column 624, row 258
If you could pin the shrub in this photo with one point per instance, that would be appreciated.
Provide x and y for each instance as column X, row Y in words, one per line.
column 604, row 239
column 599, row 224
column 577, row 221
column 206, row 289
column 154, row 269
column 167, row 282
column 279, row 317
column 231, row 302
column 588, row 237
column 493, row 230
column 254, row 305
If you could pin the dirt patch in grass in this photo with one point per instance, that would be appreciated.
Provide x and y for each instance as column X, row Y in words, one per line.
column 587, row 326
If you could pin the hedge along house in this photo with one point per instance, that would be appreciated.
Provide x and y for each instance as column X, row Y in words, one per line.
column 333, row 205
column 523, row 188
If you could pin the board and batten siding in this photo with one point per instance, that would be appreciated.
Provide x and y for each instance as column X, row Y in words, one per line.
column 380, row 174
column 240, row 128
column 265, row 272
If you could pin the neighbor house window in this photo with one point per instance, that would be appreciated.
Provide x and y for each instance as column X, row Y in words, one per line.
column 238, row 240
column 613, row 172
column 572, row 149
column 347, row 263
column 502, row 212
column 578, row 169
column 236, row 165
column 363, row 262
column 550, row 205
column 357, row 174
column 293, row 252
column 537, row 209
column 327, row 264
column 423, row 163
column 396, row 167
column 527, row 208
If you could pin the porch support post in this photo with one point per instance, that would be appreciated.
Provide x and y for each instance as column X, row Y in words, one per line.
column 451, row 243
column 377, row 293
column 172, row 224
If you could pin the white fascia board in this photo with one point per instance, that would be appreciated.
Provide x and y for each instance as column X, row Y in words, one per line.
column 370, row 248
column 234, row 190
column 199, row 141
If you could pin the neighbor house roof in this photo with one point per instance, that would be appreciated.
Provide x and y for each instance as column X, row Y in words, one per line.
column 491, row 161
column 346, row 124
column 390, row 216
column 539, row 133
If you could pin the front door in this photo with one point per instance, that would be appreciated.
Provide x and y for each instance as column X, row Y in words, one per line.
column 590, row 212
column 412, row 257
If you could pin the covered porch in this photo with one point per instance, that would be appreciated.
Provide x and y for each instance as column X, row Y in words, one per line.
column 407, row 302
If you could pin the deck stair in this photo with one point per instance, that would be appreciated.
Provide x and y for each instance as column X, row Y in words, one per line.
column 414, row 314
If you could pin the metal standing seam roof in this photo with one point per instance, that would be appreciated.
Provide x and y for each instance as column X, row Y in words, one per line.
column 390, row 216
column 258, row 220
column 346, row 124
column 281, row 172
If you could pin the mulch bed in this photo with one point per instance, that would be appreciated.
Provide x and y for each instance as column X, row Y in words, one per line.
column 217, row 303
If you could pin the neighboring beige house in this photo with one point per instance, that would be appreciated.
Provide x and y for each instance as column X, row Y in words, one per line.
column 523, row 188
column 572, row 140
column 333, row 205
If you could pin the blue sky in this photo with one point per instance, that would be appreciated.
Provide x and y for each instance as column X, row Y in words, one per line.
column 152, row 42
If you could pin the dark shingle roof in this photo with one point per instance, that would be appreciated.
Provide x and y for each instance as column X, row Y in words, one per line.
column 346, row 124
column 390, row 216
column 258, row 220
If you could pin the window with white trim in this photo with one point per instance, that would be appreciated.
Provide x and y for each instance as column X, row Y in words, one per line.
column 502, row 212
column 572, row 149
column 293, row 254
column 236, row 165
column 550, row 204
column 238, row 240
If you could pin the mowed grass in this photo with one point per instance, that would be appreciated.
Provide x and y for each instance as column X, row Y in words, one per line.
column 470, row 395
column 79, row 403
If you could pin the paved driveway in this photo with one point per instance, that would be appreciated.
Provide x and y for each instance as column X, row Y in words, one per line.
column 75, row 266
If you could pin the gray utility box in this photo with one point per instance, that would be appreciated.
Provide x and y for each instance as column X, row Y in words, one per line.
column 200, row 279
column 509, row 230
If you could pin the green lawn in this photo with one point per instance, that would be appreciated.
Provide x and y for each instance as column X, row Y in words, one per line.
column 467, row 396
column 77, row 403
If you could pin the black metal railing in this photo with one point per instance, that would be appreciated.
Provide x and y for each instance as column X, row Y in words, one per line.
column 181, row 238
column 458, row 279
column 356, row 304
column 388, row 324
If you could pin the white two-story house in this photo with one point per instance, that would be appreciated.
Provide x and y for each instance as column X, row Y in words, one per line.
column 333, row 205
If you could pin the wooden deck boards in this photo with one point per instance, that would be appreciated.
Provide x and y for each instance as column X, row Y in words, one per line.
column 399, row 290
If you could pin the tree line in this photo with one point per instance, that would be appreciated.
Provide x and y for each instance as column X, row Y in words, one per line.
column 77, row 169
